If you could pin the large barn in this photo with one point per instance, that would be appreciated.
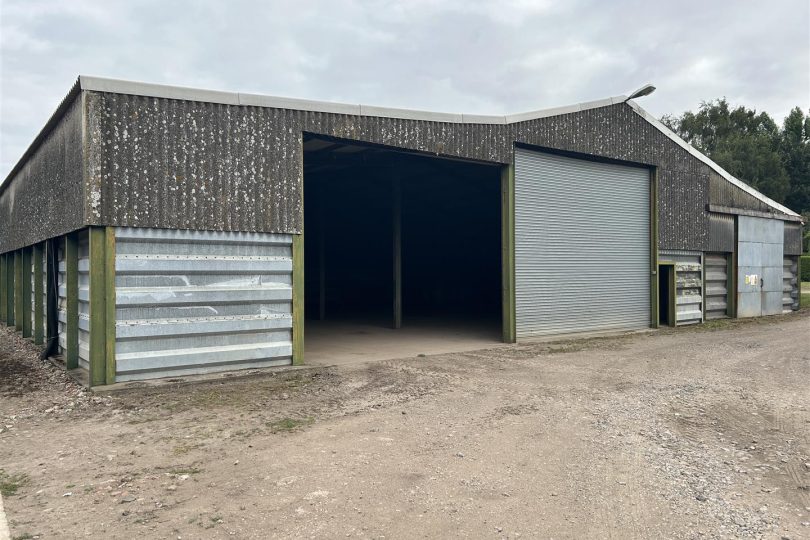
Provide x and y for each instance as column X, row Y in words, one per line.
column 153, row 231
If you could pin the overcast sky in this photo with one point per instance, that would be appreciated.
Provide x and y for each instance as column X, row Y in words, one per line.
column 454, row 55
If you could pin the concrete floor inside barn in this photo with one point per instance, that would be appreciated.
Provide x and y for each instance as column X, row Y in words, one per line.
column 342, row 342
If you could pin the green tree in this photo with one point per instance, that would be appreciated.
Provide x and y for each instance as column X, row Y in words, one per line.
column 796, row 156
column 745, row 143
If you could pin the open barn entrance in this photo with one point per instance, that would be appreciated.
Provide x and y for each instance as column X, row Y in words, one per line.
column 402, row 253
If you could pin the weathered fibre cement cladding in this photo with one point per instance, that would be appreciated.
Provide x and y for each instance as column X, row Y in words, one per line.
column 134, row 161
column 223, row 167
column 156, row 162
column 45, row 197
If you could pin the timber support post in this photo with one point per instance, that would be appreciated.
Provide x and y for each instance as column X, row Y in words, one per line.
column 39, row 304
column 508, row 253
column 298, row 299
column 72, row 300
column 19, row 315
column 3, row 289
column 102, row 305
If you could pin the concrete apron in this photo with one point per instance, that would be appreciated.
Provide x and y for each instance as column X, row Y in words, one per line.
column 5, row 534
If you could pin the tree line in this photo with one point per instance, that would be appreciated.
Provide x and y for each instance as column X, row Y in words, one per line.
column 750, row 145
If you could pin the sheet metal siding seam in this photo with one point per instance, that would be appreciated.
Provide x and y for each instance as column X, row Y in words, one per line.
column 39, row 330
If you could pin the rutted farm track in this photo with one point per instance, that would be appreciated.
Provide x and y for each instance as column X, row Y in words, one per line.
column 695, row 433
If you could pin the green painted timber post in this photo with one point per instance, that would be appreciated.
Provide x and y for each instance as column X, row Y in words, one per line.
column 654, row 315
column 26, row 312
column 109, row 291
column 19, row 314
column 508, row 318
column 102, row 305
column 72, row 300
column 10, row 300
column 298, row 298
column 732, row 292
column 39, row 307
column 322, row 258
column 3, row 290
column 396, row 226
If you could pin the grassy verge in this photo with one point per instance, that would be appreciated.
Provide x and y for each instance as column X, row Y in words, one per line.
column 10, row 483
column 804, row 295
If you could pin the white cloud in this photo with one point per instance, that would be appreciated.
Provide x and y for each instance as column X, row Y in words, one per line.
column 450, row 55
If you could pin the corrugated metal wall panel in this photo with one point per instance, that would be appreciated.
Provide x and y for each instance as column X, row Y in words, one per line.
column 45, row 293
column 721, row 233
column 32, row 298
column 582, row 245
column 61, row 312
column 793, row 239
column 688, row 286
column 716, row 265
column 760, row 266
column 84, row 299
column 724, row 193
column 790, row 288
column 191, row 302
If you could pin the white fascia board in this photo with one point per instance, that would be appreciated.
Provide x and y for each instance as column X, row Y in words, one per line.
column 408, row 114
column 567, row 109
column 717, row 168
column 117, row 86
column 259, row 100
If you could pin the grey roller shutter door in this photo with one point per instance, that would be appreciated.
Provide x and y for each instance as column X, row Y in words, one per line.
column 582, row 245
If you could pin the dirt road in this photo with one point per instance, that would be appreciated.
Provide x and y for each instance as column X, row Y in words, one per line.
column 695, row 433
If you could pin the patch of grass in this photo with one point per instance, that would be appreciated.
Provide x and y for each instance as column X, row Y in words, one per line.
column 185, row 470
column 10, row 483
column 23, row 536
column 185, row 448
column 804, row 294
column 288, row 424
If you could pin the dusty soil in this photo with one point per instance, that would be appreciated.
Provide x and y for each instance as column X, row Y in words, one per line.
column 696, row 433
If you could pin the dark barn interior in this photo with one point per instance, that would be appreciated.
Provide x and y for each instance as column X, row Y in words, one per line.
column 366, row 208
